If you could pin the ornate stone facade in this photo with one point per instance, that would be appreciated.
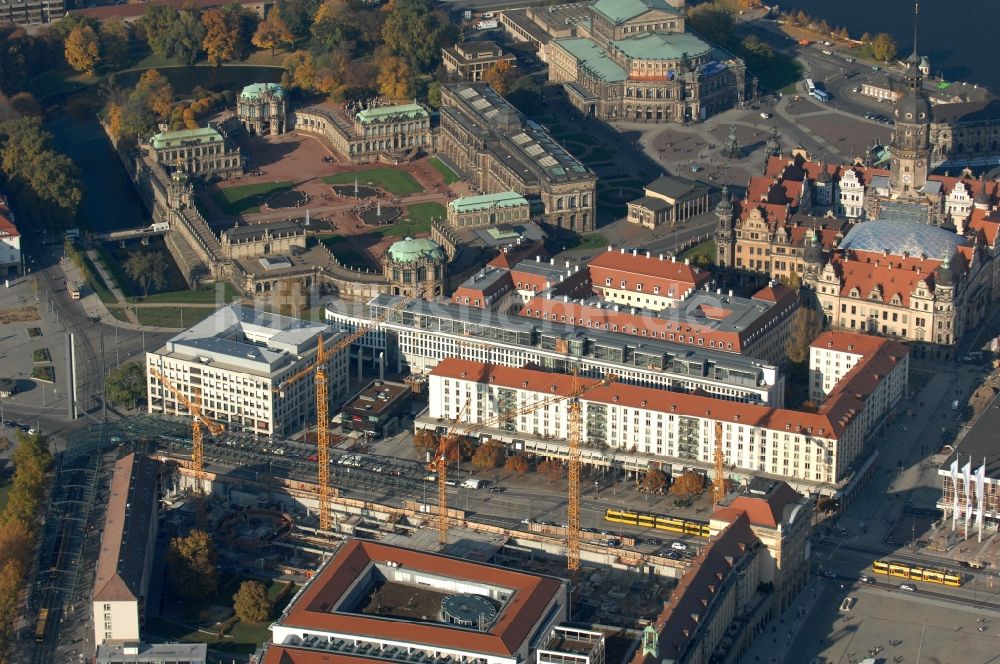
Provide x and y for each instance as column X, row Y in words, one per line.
column 501, row 150
column 263, row 109
column 415, row 267
column 393, row 133
column 204, row 152
column 634, row 61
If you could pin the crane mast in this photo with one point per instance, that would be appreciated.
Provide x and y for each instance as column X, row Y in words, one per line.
column 719, row 488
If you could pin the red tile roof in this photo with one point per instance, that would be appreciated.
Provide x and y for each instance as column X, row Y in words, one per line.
column 697, row 589
column 849, row 342
column 651, row 272
column 278, row 654
column 824, row 424
column 767, row 511
column 890, row 275
column 314, row 608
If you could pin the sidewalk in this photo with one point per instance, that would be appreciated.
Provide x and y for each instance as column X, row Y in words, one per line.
column 773, row 645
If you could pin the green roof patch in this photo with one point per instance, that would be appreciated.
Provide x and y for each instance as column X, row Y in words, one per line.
column 257, row 90
column 619, row 11
column 660, row 46
column 172, row 139
column 590, row 55
column 384, row 113
column 411, row 250
column 505, row 199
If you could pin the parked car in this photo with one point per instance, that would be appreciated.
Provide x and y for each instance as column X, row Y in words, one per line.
column 679, row 546
column 497, row 489
column 868, row 580
column 907, row 587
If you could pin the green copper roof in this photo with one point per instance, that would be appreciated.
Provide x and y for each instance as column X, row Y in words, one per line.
column 505, row 199
column 173, row 139
column 403, row 111
column 619, row 11
column 255, row 90
column 660, row 46
column 410, row 250
column 590, row 55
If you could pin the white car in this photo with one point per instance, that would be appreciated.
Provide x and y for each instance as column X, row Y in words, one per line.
column 765, row 115
column 907, row 587
column 679, row 546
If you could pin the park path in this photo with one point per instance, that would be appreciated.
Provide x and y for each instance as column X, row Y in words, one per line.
column 111, row 285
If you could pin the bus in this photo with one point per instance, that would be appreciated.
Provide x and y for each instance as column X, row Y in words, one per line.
column 810, row 86
column 74, row 291
column 671, row 524
column 917, row 573
column 821, row 95
column 43, row 619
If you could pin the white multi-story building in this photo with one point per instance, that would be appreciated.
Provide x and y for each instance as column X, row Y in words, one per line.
column 835, row 355
column 640, row 428
column 235, row 363
column 422, row 334
column 10, row 242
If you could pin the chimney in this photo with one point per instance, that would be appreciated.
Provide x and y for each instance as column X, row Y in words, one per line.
column 635, row 253
column 730, row 293
column 647, row 254
column 552, row 261
column 538, row 259
column 673, row 259
column 687, row 261
column 610, row 247
column 567, row 263
column 661, row 257
column 622, row 250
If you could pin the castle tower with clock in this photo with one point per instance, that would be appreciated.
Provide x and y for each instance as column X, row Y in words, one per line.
column 910, row 144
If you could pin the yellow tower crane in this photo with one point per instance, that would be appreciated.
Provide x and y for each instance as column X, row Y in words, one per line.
column 318, row 365
column 575, row 435
column 719, row 488
column 198, row 419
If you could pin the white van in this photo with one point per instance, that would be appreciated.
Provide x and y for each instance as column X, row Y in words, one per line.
column 474, row 484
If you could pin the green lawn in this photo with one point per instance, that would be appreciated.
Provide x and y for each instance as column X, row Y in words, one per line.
column 204, row 295
column 450, row 177
column 41, row 356
column 588, row 241
column 34, row 332
column 114, row 268
column 242, row 637
column 425, row 212
column 389, row 179
column 404, row 229
column 46, row 374
column 248, row 197
column 95, row 281
column 172, row 316
column 704, row 251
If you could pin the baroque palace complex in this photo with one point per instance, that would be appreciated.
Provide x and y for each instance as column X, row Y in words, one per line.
column 900, row 253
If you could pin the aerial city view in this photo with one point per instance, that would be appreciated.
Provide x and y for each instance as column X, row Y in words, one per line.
column 499, row 332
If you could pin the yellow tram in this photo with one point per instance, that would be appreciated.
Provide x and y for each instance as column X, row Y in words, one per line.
column 671, row 524
column 917, row 573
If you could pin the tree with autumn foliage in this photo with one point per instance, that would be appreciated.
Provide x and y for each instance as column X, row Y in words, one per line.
column 83, row 49
column 688, row 484
column 395, row 78
column 272, row 32
column 516, row 464
column 655, row 481
column 222, row 34
column 191, row 566
column 488, row 455
column 552, row 469
column 806, row 325
column 500, row 76
column 425, row 441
